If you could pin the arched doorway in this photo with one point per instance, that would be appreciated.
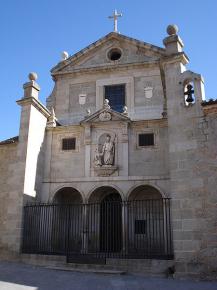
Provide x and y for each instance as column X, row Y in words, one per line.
column 106, row 203
column 111, row 223
column 146, row 223
column 67, row 221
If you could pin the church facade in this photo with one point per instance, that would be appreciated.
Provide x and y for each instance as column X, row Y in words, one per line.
column 120, row 163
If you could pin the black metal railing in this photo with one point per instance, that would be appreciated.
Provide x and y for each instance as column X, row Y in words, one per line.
column 131, row 229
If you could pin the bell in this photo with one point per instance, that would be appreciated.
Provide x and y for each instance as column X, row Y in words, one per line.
column 189, row 93
column 189, row 99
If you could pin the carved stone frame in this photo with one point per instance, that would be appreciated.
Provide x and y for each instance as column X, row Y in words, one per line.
column 106, row 170
column 128, row 81
column 146, row 131
column 69, row 135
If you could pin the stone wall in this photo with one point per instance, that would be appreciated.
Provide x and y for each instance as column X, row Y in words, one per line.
column 65, row 96
column 153, row 160
column 193, row 180
column 60, row 164
column 11, row 202
column 147, row 107
column 206, row 167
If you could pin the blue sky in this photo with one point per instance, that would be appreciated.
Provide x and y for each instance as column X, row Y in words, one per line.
column 34, row 33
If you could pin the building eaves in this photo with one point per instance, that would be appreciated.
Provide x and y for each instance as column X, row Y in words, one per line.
column 10, row 140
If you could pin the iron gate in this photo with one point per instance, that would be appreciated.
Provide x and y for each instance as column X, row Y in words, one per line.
column 132, row 229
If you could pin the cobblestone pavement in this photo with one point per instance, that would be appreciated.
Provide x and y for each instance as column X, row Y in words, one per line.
column 14, row 276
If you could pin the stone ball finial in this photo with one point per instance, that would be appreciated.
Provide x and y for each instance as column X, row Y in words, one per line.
column 33, row 76
column 106, row 104
column 172, row 29
column 64, row 55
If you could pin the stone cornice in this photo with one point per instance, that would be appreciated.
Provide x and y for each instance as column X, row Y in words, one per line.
column 163, row 122
column 13, row 140
column 107, row 178
column 178, row 57
column 38, row 105
column 105, row 68
column 134, row 123
column 65, row 128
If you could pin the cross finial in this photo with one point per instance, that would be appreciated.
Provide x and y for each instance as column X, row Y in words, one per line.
column 115, row 17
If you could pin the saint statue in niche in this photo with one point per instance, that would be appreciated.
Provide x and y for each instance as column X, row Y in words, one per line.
column 106, row 157
column 108, row 151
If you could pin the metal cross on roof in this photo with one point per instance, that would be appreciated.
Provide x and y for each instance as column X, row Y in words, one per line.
column 115, row 17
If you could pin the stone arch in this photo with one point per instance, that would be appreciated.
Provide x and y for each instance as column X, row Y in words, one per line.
column 99, row 192
column 105, row 203
column 188, row 85
column 67, row 195
column 146, row 219
column 196, row 81
column 67, row 212
column 145, row 191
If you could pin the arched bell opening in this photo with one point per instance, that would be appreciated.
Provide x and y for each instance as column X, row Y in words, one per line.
column 67, row 221
column 105, row 218
column 189, row 97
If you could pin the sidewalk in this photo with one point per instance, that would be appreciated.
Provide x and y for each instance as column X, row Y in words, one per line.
column 15, row 276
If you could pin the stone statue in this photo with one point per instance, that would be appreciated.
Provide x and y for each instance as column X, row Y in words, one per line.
column 97, row 157
column 108, row 151
column 106, row 157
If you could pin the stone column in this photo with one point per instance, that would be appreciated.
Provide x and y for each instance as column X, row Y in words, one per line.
column 24, row 179
column 87, row 142
column 32, row 132
column 125, row 152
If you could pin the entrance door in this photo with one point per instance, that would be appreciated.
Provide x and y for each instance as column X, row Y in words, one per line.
column 111, row 223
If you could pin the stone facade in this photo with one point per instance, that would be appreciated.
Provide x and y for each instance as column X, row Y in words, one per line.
column 181, row 164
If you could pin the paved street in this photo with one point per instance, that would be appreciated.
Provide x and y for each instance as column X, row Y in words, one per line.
column 14, row 276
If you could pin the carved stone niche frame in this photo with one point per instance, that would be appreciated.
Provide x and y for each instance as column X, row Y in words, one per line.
column 139, row 131
column 103, row 169
column 129, row 87
column 67, row 135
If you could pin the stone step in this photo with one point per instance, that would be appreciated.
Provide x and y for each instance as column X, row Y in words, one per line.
column 89, row 269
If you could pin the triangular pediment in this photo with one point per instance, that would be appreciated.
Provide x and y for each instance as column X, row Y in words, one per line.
column 105, row 115
column 96, row 55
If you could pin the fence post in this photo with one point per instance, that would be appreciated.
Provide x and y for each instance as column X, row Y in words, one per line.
column 84, row 249
column 124, row 227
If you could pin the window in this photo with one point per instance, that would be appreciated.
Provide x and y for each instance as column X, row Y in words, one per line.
column 114, row 54
column 140, row 227
column 146, row 139
column 116, row 96
column 68, row 143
